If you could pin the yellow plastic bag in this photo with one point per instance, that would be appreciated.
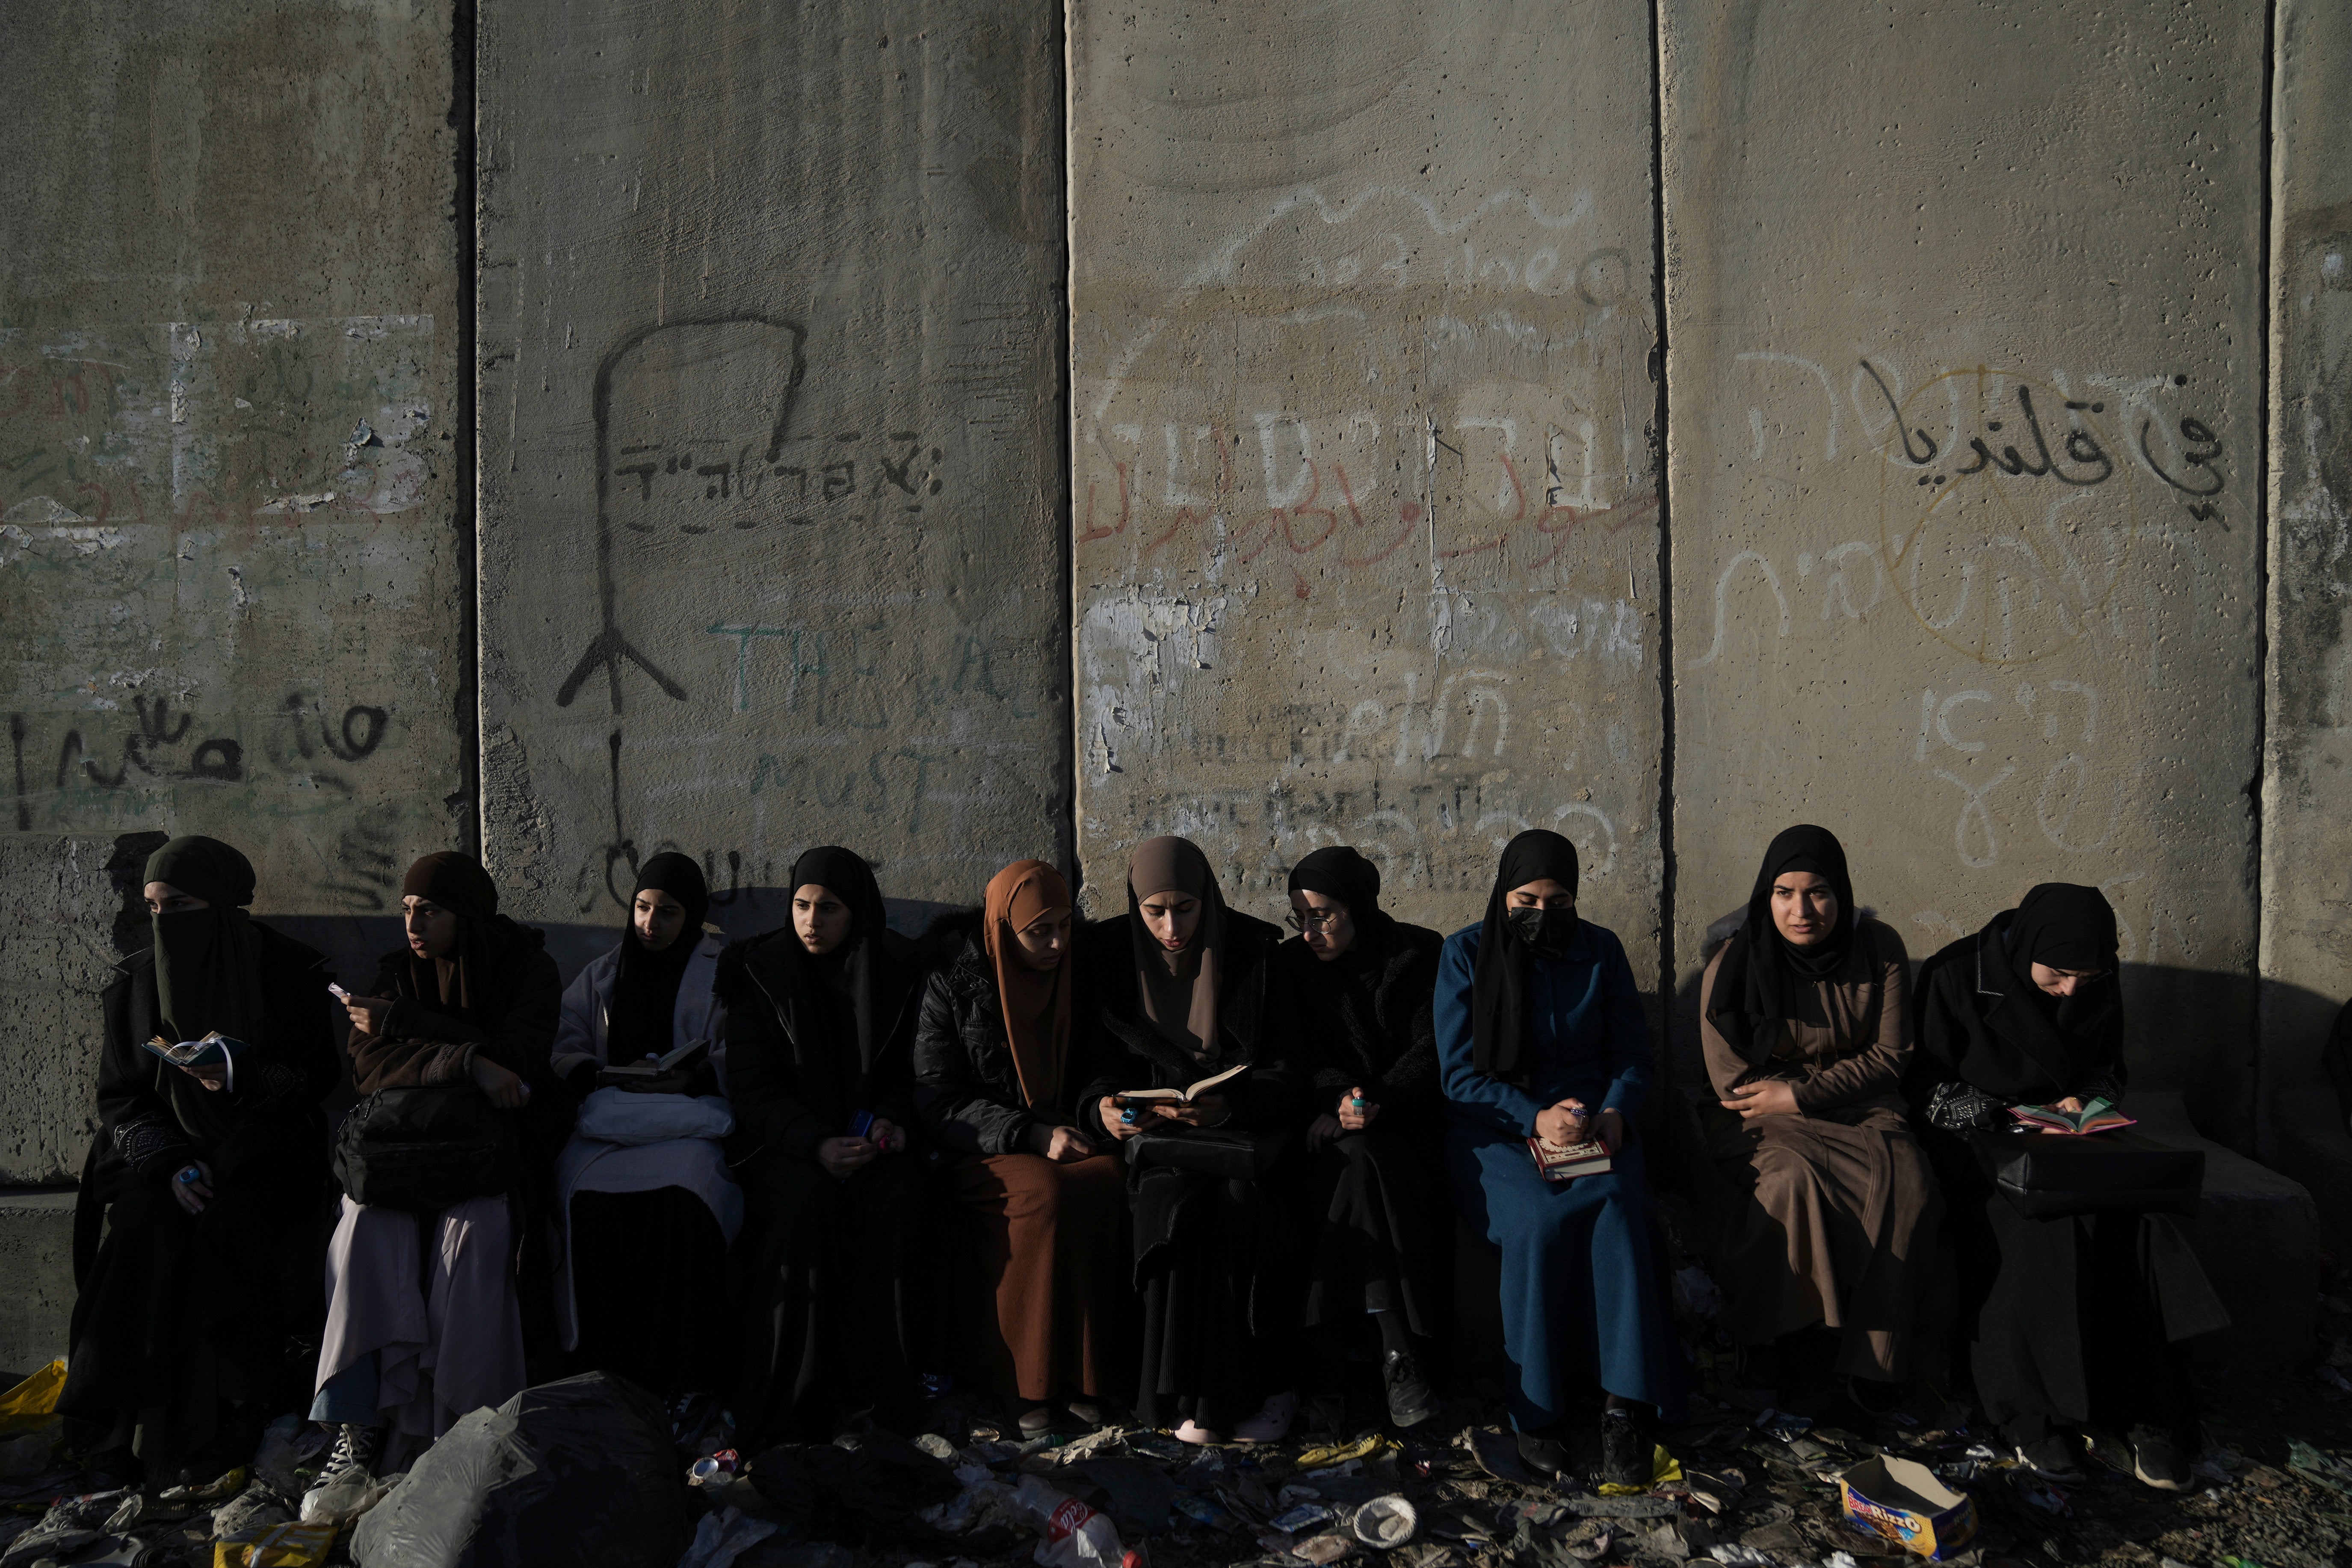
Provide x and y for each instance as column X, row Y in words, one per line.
column 276, row 1546
column 1664, row 1469
column 33, row 1401
column 1364, row 1449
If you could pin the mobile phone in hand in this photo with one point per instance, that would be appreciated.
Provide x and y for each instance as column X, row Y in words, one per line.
column 340, row 994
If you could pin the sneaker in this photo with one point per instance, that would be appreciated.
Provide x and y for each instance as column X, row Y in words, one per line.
column 2056, row 1459
column 1546, row 1455
column 1089, row 1411
column 1411, row 1399
column 347, row 1486
column 2158, row 1461
column 1625, row 1456
column 1272, row 1423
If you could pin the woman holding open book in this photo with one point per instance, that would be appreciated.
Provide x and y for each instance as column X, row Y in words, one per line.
column 1830, row 1206
column 1544, row 1049
column 994, row 1077
column 1191, row 1080
column 648, row 1219
column 207, row 1177
column 2078, row 1316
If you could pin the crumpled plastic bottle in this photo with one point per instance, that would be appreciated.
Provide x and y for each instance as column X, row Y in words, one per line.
column 1069, row 1533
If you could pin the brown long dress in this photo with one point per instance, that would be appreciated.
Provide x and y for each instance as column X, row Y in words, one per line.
column 1833, row 1211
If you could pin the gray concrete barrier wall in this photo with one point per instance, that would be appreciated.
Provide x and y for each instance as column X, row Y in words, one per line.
column 232, row 411
column 1273, row 454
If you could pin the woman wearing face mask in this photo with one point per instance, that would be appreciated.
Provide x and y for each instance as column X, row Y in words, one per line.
column 820, row 1027
column 2077, row 1318
column 1373, row 1187
column 994, row 1077
column 1805, row 1022
column 648, row 1224
column 1175, row 994
column 422, row 1329
column 203, row 1179
column 1540, row 1035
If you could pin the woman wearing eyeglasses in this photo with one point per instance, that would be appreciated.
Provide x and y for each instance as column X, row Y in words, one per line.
column 2079, row 1318
column 1372, row 1193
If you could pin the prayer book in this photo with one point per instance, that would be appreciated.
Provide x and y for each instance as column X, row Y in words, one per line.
column 1126, row 1098
column 214, row 1049
column 2097, row 1116
column 1564, row 1163
column 687, row 1055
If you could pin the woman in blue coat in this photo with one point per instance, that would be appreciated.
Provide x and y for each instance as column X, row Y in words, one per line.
column 1540, row 1035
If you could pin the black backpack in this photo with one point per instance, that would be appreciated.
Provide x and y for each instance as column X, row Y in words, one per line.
column 425, row 1149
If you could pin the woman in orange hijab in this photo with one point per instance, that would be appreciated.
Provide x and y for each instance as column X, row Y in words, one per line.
column 992, row 1076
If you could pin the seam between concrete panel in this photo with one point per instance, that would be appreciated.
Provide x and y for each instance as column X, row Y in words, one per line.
column 466, row 236
column 1067, row 826
column 2256, row 787
column 1658, row 451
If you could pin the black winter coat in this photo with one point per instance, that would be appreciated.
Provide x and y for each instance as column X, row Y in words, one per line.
column 966, row 1086
column 1113, row 1046
column 1367, row 1025
column 790, row 1095
column 1982, row 1042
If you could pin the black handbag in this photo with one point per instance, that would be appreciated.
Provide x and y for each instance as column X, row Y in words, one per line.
column 425, row 1149
column 1224, row 1153
column 2048, row 1175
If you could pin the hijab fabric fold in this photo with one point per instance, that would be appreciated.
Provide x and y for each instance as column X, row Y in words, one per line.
column 646, row 981
column 2061, row 926
column 1036, row 1003
column 853, row 972
column 1179, row 990
column 1499, row 985
column 207, row 966
column 1764, row 976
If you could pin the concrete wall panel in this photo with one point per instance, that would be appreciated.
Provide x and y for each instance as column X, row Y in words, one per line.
column 1367, row 527
column 230, row 591
column 2306, row 960
column 772, row 446
column 1964, row 356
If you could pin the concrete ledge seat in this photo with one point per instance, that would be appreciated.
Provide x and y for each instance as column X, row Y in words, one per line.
column 2257, row 1233
column 36, row 1283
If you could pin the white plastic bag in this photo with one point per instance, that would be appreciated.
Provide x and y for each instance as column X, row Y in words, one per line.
column 1069, row 1533
column 617, row 1115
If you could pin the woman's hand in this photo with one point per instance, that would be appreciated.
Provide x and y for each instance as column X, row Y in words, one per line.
column 1114, row 1120
column 212, row 1075
column 1561, row 1124
column 1209, row 1111
column 193, row 1191
column 2072, row 1105
column 369, row 1013
column 1356, row 1113
column 504, row 1090
column 1322, row 1131
column 886, row 1136
column 1609, row 1128
column 1063, row 1145
column 844, row 1157
column 1769, row 1096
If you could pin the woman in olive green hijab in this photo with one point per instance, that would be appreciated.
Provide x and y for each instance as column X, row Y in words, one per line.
column 206, row 1183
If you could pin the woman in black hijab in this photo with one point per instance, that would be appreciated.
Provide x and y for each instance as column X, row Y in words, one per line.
column 2076, row 1317
column 1372, row 1192
column 647, row 1221
column 208, row 1183
column 1829, row 1207
column 1176, row 993
column 1541, row 1038
column 819, row 1030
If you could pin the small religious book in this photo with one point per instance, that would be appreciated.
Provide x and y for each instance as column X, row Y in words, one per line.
column 214, row 1049
column 1564, row 1163
column 688, row 1055
column 2097, row 1116
column 1186, row 1096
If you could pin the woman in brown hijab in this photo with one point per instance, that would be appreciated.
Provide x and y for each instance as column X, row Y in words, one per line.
column 1175, row 994
column 1832, row 1210
column 992, row 1075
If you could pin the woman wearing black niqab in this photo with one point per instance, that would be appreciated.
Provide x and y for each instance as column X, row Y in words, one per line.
column 648, row 1224
column 208, row 1190
column 2075, row 1319
column 820, row 1068
column 1371, row 1195
column 1540, row 1035
column 1828, row 1209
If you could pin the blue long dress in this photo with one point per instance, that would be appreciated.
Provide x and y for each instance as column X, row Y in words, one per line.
column 1581, row 1292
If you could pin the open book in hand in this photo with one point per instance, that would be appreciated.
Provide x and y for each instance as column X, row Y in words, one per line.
column 214, row 1049
column 2096, row 1116
column 685, row 1057
column 1126, row 1098
column 1565, row 1161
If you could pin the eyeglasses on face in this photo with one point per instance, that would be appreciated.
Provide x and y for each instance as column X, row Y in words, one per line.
column 1314, row 920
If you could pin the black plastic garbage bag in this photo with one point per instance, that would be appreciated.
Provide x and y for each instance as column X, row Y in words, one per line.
column 577, row 1471
column 869, row 1492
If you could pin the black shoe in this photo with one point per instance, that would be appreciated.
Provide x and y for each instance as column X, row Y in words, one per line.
column 1544, row 1456
column 1411, row 1399
column 1625, row 1456
column 2158, row 1461
column 2056, row 1459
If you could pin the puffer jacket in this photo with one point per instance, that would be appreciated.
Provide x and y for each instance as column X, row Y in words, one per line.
column 966, row 1086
